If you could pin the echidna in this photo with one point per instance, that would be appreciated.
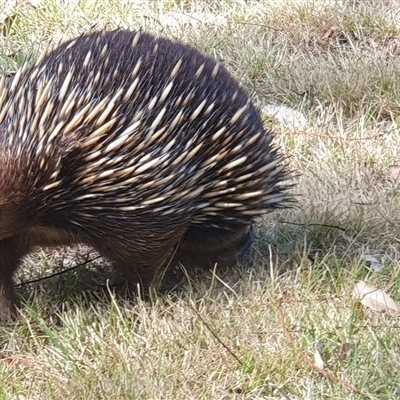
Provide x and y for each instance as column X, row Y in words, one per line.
column 134, row 145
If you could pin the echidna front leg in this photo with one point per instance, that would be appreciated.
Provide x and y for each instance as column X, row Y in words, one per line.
column 11, row 252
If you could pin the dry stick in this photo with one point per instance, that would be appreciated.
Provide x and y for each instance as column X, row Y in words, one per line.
column 325, row 373
column 57, row 273
column 313, row 224
column 320, row 135
column 216, row 337
column 64, row 271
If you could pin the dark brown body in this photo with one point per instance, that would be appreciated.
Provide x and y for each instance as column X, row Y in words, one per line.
column 136, row 146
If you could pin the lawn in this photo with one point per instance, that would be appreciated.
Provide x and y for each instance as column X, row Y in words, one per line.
column 284, row 325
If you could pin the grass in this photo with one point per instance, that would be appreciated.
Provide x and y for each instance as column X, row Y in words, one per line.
column 251, row 332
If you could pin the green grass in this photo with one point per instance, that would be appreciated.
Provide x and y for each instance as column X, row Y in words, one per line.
column 250, row 332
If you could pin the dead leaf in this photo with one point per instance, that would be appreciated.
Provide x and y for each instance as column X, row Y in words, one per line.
column 345, row 349
column 318, row 361
column 15, row 359
column 375, row 298
column 394, row 171
column 35, row 3
column 373, row 263
column 330, row 32
column 391, row 46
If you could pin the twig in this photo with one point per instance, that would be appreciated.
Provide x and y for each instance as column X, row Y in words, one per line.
column 57, row 273
column 216, row 337
column 320, row 135
column 327, row 374
column 313, row 224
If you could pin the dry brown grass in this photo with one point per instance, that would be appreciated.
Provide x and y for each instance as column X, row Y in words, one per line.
column 252, row 332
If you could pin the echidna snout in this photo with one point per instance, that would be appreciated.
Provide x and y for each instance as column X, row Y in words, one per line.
column 134, row 145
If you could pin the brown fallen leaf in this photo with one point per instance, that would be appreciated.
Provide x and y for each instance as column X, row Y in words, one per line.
column 15, row 359
column 345, row 349
column 391, row 46
column 394, row 172
column 375, row 299
column 330, row 32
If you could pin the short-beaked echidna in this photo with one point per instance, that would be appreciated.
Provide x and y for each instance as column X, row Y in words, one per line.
column 134, row 145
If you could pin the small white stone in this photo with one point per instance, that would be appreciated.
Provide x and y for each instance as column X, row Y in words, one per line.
column 286, row 116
